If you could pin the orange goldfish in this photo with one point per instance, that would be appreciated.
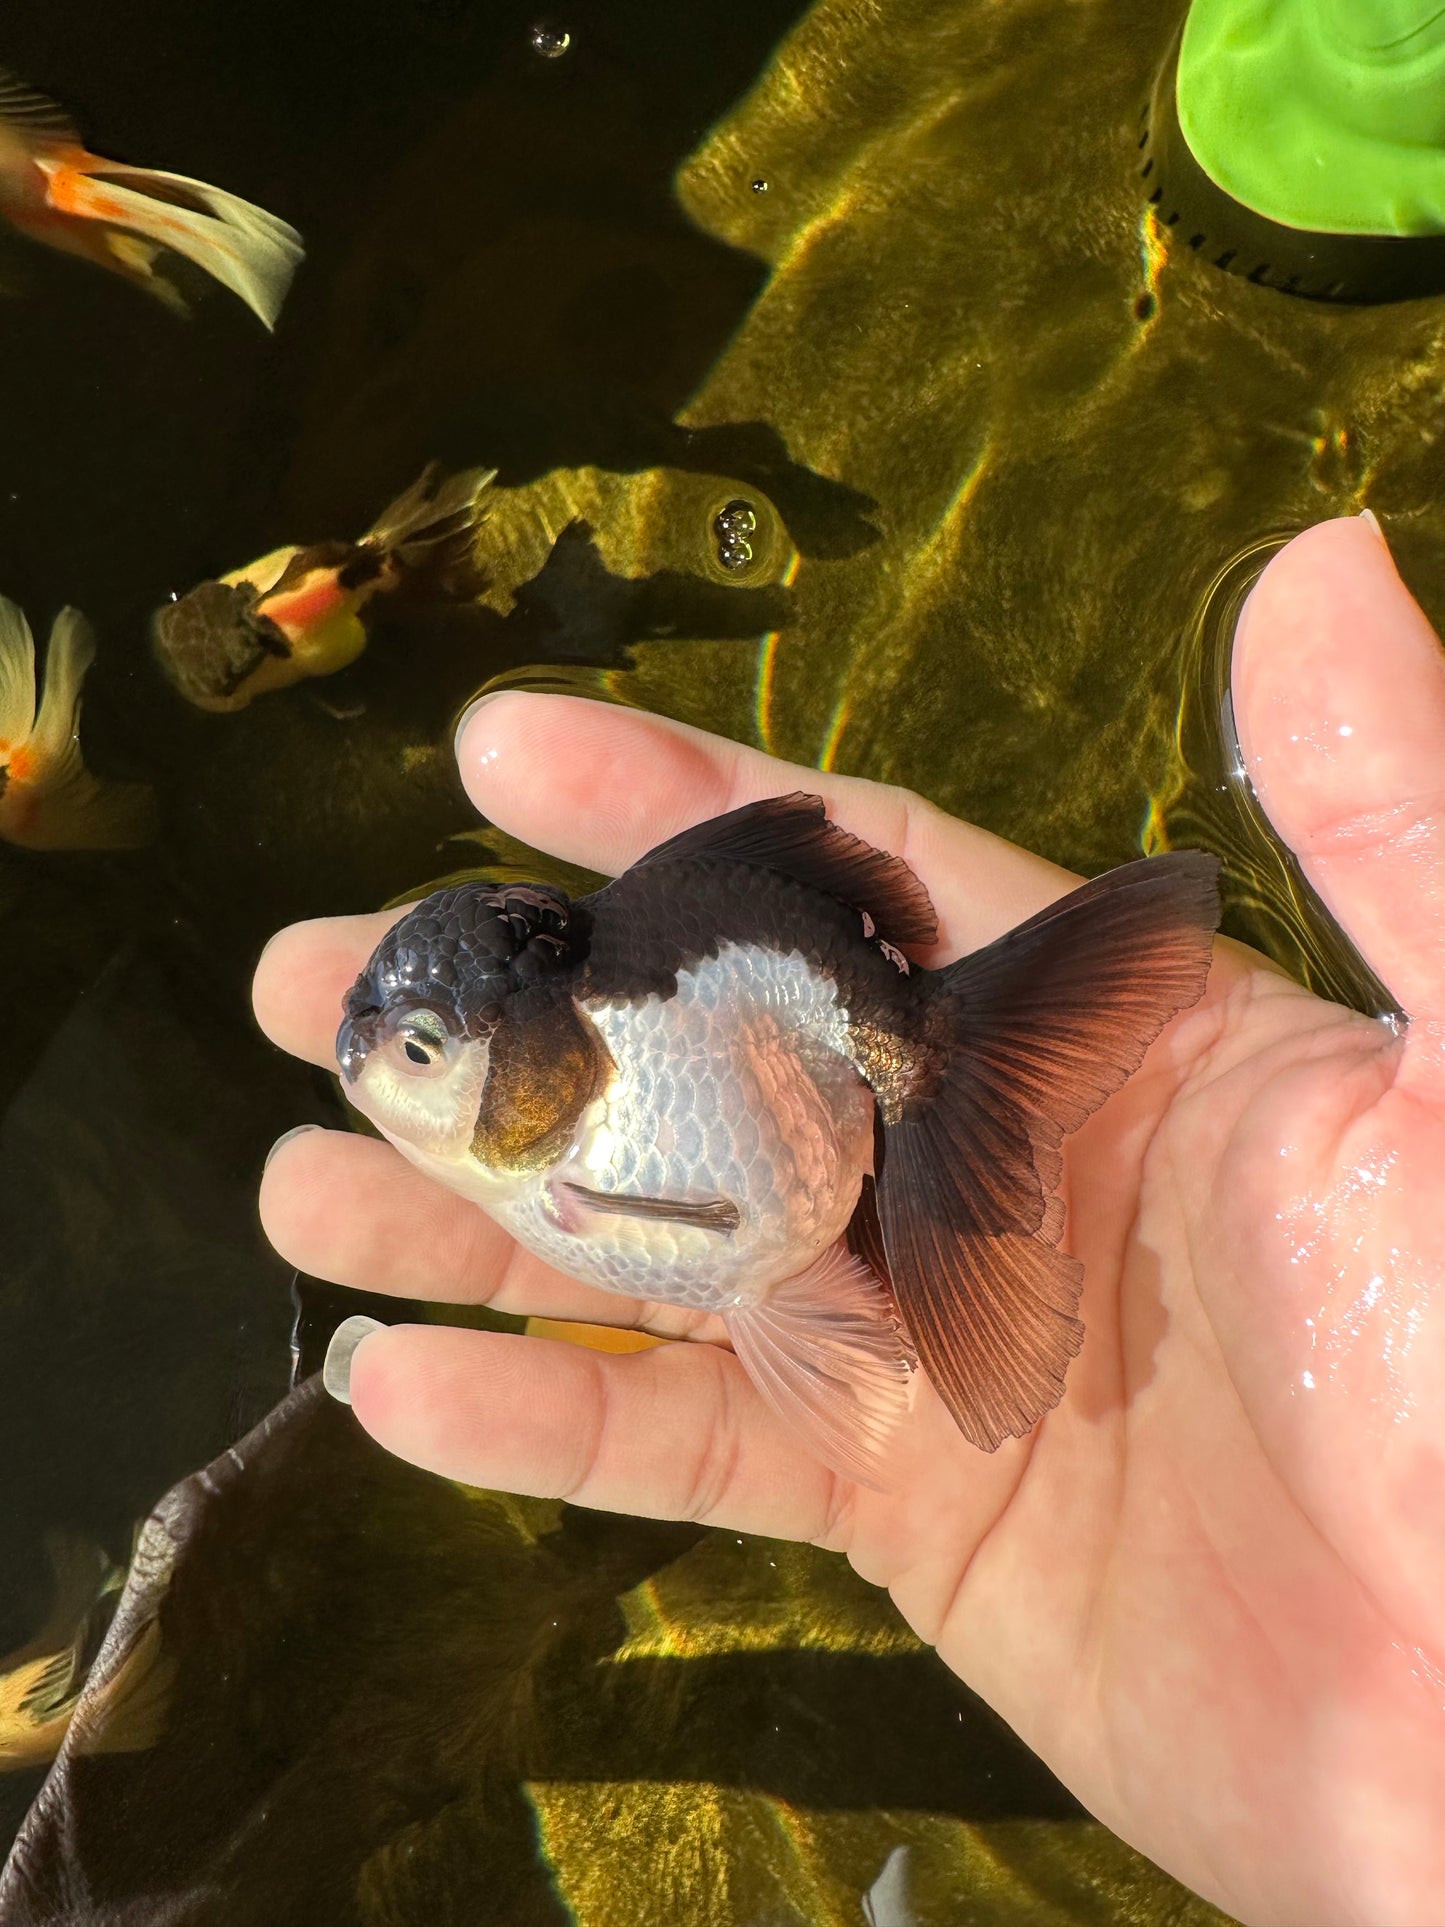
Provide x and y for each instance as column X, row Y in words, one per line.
column 298, row 611
column 123, row 218
column 48, row 798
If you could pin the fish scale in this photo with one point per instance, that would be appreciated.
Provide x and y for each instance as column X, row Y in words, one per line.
column 743, row 1074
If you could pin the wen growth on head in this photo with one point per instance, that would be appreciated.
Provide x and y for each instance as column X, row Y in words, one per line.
column 719, row 1082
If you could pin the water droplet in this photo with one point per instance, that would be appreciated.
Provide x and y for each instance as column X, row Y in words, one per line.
column 731, row 528
column 548, row 41
column 760, row 186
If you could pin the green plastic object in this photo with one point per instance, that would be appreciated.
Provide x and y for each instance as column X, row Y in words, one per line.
column 1321, row 115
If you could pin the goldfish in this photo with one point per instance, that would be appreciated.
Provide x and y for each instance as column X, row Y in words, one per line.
column 124, row 218
column 720, row 1082
column 48, row 798
column 297, row 612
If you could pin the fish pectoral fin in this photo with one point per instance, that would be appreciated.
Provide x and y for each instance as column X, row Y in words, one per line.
column 708, row 1214
column 828, row 1354
column 1039, row 1028
column 17, row 678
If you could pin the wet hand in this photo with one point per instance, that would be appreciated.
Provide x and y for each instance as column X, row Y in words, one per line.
column 1208, row 1587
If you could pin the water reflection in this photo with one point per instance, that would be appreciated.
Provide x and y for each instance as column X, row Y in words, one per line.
column 1208, row 801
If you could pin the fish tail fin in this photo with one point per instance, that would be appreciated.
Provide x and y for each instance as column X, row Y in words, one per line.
column 247, row 250
column 432, row 526
column 1032, row 1034
column 827, row 1352
column 67, row 807
column 17, row 678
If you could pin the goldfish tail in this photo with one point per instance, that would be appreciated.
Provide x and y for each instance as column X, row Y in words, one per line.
column 70, row 808
column 1039, row 1029
column 17, row 678
column 247, row 250
column 432, row 525
column 826, row 1351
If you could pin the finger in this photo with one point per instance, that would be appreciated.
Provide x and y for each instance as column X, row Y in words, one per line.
column 673, row 1433
column 352, row 1211
column 599, row 785
column 1339, row 697
column 304, row 973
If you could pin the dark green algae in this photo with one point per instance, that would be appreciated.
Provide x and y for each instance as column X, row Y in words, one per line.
column 1012, row 456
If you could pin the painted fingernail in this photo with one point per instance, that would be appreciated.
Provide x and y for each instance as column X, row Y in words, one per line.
column 336, row 1371
column 480, row 702
column 298, row 1130
column 1371, row 520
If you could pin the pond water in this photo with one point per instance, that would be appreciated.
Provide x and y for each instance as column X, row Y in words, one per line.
column 845, row 398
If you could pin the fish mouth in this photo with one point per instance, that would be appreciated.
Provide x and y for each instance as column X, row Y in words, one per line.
column 720, row 1215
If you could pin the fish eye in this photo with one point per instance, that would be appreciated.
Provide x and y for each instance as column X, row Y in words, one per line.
column 419, row 1045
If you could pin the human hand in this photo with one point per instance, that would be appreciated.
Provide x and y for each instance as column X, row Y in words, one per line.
column 1207, row 1589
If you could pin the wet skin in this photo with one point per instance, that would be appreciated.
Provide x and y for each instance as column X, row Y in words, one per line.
column 1209, row 1589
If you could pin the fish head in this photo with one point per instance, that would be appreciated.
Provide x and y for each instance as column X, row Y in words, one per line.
column 460, row 1041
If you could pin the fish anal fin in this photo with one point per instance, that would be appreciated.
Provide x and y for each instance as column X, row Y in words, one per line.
column 793, row 836
column 828, row 1354
column 864, row 1236
column 1028, row 1037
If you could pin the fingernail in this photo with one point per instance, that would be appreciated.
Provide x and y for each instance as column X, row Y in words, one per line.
column 336, row 1371
column 298, row 1130
column 467, row 714
column 1371, row 520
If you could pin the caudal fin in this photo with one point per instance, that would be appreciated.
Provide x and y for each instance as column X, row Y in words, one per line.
column 247, row 250
column 431, row 527
column 65, row 807
column 1039, row 1029
column 17, row 677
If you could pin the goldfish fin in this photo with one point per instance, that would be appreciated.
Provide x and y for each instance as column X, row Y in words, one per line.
column 431, row 529
column 33, row 115
column 72, row 810
column 17, row 677
column 828, row 1355
column 792, row 836
column 129, row 1709
column 247, row 250
column 1041, row 1027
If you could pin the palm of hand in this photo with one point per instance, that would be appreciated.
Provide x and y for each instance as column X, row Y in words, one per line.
column 1205, row 1588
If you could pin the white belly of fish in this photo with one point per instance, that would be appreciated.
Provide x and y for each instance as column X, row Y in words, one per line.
column 734, row 1091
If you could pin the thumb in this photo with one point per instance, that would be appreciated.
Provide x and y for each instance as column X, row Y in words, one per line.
column 1338, row 684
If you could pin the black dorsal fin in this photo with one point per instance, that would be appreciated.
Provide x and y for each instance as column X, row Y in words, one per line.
column 792, row 836
column 32, row 113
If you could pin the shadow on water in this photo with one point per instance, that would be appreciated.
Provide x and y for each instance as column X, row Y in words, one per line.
column 142, row 1319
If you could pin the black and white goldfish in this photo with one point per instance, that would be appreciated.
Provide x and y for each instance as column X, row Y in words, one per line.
column 298, row 611
column 719, row 1082
column 123, row 218
column 48, row 798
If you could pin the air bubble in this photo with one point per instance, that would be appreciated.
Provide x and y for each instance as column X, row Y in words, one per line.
column 760, row 186
column 731, row 528
column 550, row 42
